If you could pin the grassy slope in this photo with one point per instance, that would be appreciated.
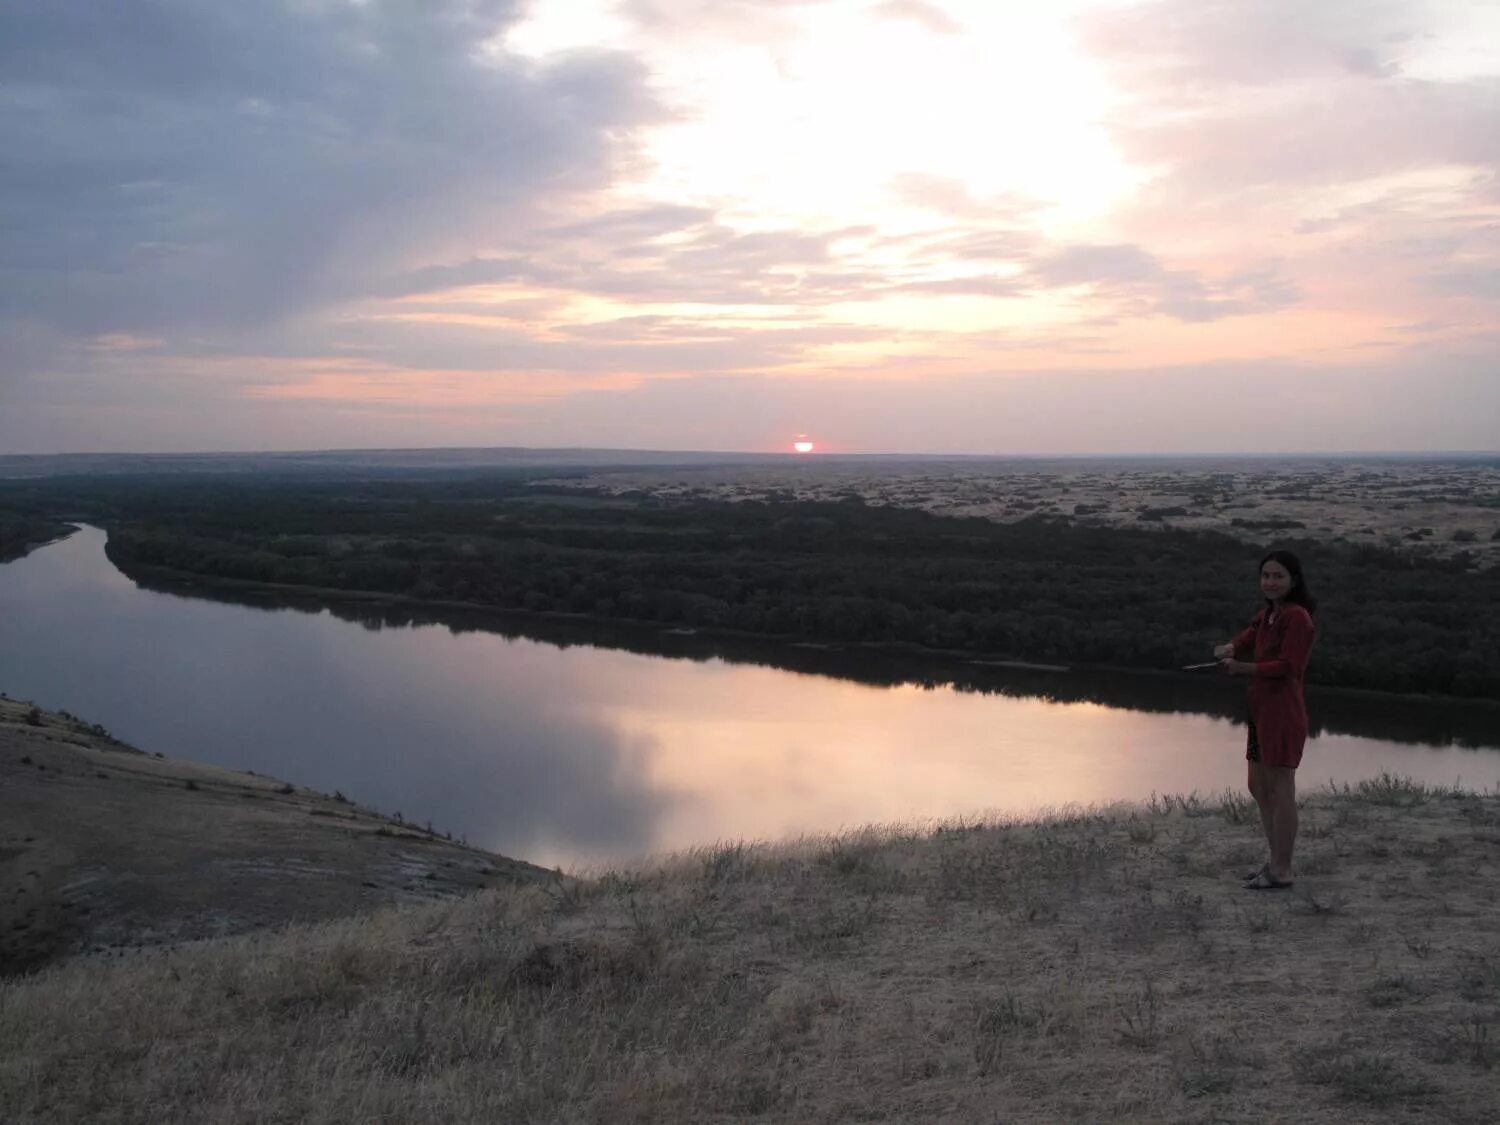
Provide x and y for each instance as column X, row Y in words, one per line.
column 1084, row 967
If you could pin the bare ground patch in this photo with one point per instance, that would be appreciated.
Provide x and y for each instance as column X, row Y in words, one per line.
column 104, row 848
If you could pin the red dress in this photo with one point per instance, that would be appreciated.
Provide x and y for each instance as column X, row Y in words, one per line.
column 1279, row 645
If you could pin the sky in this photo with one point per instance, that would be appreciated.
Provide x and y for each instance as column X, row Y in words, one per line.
column 906, row 226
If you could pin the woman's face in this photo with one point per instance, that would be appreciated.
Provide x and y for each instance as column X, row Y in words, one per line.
column 1275, row 580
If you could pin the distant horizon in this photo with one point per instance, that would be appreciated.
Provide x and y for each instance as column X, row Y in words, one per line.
column 788, row 454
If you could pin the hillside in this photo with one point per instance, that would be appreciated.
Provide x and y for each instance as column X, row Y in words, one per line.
column 1091, row 965
column 104, row 848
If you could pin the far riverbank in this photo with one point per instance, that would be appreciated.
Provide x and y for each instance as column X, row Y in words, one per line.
column 1430, row 719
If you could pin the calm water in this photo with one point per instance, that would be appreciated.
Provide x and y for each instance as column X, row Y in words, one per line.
column 573, row 754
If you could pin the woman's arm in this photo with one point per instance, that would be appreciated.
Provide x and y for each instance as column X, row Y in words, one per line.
column 1242, row 644
column 1296, row 645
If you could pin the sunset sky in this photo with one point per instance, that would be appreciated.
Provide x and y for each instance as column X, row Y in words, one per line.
column 966, row 226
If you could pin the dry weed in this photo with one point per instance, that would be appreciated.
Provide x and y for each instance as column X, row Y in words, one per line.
column 1080, row 967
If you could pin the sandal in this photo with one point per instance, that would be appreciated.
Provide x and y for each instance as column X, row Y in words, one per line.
column 1263, row 869
column 1265, row 881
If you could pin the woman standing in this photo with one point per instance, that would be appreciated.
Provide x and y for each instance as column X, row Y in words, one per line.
column 1273, row 652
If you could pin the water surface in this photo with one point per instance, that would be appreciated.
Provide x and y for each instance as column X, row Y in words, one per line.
column 573, row 754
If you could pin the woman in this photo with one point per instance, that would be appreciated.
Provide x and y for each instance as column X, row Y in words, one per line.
column 1277, row 644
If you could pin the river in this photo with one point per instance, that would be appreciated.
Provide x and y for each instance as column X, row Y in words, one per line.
column 567, row 748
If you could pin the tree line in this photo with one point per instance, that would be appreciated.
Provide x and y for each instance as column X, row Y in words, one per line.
column 1043, row 589
column 20, row 532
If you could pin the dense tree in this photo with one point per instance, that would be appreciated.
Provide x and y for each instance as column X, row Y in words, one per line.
column 1042, row 589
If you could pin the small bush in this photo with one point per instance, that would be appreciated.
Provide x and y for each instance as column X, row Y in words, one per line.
column 1140, row 1018
column 1469, row 1042
column 1374, row 1079
column 1235, row 808
column 1393, row 790
column 1388, row 992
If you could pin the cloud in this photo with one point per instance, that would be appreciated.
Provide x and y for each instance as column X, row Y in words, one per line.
column 1341, row 156
column 1345, row 133
column 1222, row 95
column 1080, row 265
column 205, row 165
column 659, row 254
column 1416, row 402
column 1120, row 278
column 1185, row 45
column 749, row 20
column 952, row 198
column 663, row 346
column 1482, row 282
column 359, row 201
column 635, row 223
column 929, row 16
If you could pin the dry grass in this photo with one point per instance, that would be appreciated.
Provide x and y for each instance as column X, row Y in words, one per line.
column 1090, row 965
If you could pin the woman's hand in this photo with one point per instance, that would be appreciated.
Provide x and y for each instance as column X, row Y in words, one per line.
column 1238, row 667
column 1222, row 651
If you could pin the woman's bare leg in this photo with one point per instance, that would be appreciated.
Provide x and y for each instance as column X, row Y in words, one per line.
column 1282, row 784
column 1260, row 790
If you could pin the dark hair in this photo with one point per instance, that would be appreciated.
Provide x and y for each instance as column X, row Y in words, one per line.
column 1299, row 593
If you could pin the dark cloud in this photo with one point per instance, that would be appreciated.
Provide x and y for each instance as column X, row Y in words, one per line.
column 204, row 164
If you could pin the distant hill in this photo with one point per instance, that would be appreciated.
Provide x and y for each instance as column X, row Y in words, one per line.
column 344, row 461
column 355, row 462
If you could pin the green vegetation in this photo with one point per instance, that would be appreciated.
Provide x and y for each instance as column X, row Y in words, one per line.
column 20, row 532
column 1042, row 589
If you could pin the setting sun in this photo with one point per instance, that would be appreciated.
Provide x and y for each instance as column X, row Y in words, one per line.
column 802, row 445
